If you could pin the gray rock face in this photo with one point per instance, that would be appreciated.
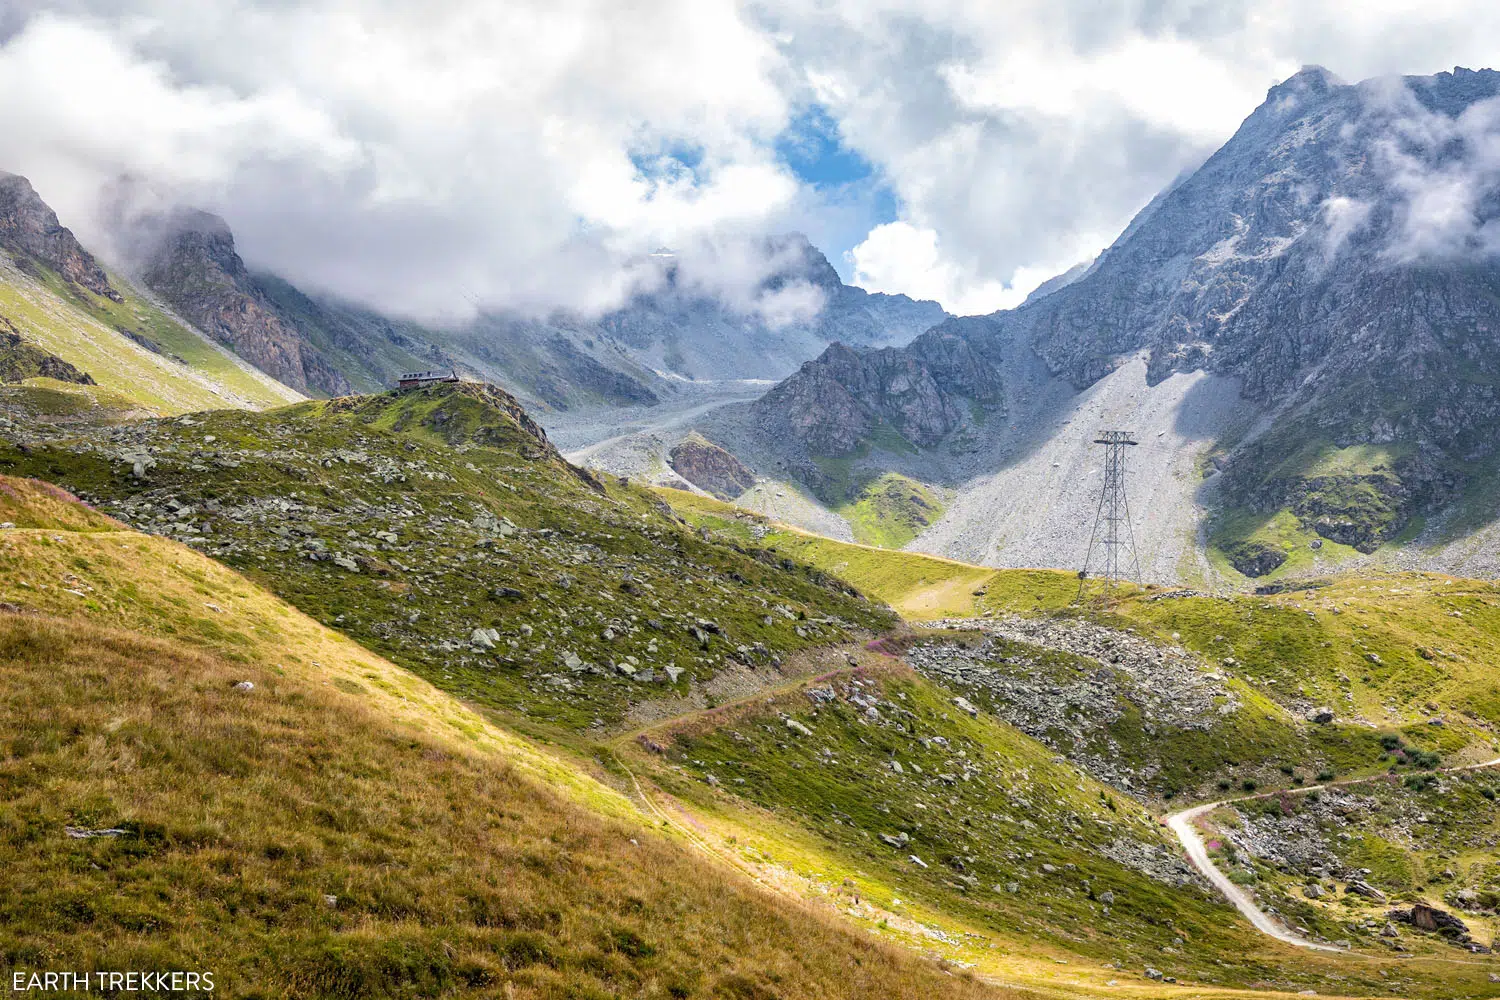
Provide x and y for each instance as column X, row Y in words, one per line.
column 1167, row 685
column 30, row 229
column 710, row 468
column 20, row 360
column 922, row 392
column 1360, row 887
column 191, row 262
column 1291, row 245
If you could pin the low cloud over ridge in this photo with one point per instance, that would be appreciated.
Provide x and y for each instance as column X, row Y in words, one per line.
column 432, row 160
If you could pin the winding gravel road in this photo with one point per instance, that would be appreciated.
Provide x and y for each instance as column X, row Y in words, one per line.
column 1181, row 824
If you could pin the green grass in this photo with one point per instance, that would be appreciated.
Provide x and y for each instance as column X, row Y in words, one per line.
column 1319, row 457
column 1293, row 649
column 883, row 508
column 891, row 511
column 1250, row 540
column 187, row 373
column 447, row 470
column 721, row 518
column 1423, row 840
column 48, row 400
column 917, row 586
column 983, row 807
column 342, row 829
column 594, row 591
column 1354, row 498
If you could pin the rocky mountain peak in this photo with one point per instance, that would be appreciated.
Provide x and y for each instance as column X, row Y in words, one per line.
column 1301, row 260
column 1310, row 79
column 799, row 260
column 30, row 228
column 188, row 257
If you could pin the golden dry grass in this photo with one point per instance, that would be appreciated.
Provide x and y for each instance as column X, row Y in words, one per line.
column 460, row 860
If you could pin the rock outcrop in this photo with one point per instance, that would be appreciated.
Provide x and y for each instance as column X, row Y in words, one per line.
column 191, row 262
column 20, row 360
column 836, row 402
column 710, row 468
column 30, row 229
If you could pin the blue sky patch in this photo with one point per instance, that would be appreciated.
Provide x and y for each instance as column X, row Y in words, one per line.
column 855, row 197
column 812, row 147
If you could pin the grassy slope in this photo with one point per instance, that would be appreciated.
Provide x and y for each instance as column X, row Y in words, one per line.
column 1433, row 636
column 1013, row 810
column 49, row 402
column 276, row 453
column 84, row 330
column 891, row 511
column 578, row 582
column 1428, row 838
column 986, row 808
column 1276, row 645
column 919, row 587
column 457, row 858
column 883, row 509
column 1357, row 486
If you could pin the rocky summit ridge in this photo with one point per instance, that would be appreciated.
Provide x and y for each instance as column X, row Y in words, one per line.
column 190, row 260
column 30, row 230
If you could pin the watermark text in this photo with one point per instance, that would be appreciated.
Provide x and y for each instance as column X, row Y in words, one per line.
column 121, row 982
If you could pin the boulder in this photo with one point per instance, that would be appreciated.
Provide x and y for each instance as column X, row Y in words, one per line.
column 1429, row 918
column 710, row 468
column 1359, row 887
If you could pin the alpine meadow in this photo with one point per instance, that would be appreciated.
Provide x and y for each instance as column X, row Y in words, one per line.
column 702, row 499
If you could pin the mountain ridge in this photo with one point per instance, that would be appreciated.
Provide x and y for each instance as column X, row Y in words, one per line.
column 674, row 328
column 1292, row 261
column 190, row 260
column 30, row 229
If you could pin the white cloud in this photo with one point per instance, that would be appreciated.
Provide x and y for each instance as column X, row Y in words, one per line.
column 424, row 156
column 1029, row 132
column 899, row 257
column 1444, row 168
column 421, row 158
column 1137, row 77
column 1342, row 218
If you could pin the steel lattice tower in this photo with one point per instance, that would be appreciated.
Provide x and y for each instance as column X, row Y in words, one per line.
column 1113, row 532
